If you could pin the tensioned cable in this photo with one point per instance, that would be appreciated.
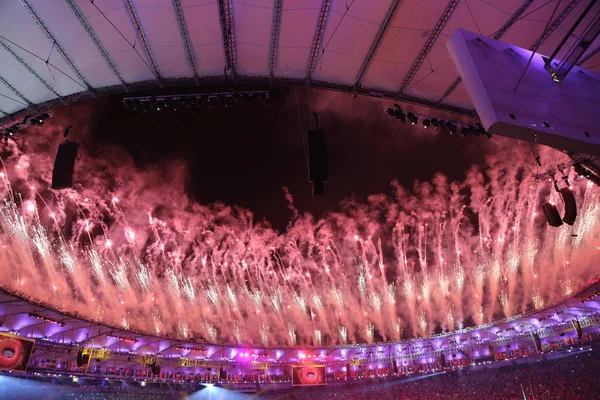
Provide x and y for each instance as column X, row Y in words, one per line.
column 334, row 31
column 538, row 45
column 535, row 157
column 526, row 15
column 301, row 129
column 123, row 36
column 15, row 100
column 523, row 155
column 47, row 62
column 472, row 16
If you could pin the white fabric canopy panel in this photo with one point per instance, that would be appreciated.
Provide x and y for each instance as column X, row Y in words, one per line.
column 54, row 52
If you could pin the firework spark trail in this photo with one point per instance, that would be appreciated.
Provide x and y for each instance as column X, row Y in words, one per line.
column 211, row 272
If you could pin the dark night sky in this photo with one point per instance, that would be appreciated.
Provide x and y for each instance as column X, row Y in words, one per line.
column 244, row 155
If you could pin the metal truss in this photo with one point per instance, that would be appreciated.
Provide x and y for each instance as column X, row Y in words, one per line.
column 509, row 22
column 75, row 8
column 30, row 69
column 433, row 36
column 57, row 45
column 513, row 18
column 142, row 37
column 185, row 36
column 589, row 56
column 276, row 29
column 545, row 35
column 263, row 93
column 387, row 20
column 228, row 34
column 318, row 38
column 15, row 91
column 259, row 81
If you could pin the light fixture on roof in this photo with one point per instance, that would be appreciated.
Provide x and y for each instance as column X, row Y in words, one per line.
column 46, row 319
column 426, row 123
column 396, row 112
column 412, row 118
column 452, row 127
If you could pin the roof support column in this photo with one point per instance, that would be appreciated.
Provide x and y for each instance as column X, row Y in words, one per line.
column 57, row 45
column 387, row 20
column 228, row 35
column 185, row 36
column 509, row 22
column 316, row 49
column 275, row 30
column 142, row 38
column 96, row 41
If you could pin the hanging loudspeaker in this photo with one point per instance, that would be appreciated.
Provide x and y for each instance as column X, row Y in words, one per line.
column 570, row 205
column 62, row 174
column 552, row 215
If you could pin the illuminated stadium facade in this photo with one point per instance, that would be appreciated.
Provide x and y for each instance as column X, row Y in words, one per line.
column 113, row 352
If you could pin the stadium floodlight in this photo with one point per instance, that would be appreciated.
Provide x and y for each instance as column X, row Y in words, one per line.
column 413, row 118
column 178, row 102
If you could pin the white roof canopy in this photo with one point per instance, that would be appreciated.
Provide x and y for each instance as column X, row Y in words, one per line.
column 54, row 52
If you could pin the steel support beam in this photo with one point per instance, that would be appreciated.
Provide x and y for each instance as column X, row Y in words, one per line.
column 142, row 38
column 545, row 35
column 185, row 36
column 433, row 37
column 228, row 35
column 387, row 20
column 16, row 91
column 589, row 55
column 30, row 69
column 316, row 50
column 57, row 45
column 75, row 8
column 509, row 22
column 275, row 30
column 260, row 82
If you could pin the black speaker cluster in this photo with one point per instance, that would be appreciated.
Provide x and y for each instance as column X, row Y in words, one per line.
column 190, row 101
column 551, row 212
column 64, row 165
column 586, row 173
column 37, row 120
column 451, row 126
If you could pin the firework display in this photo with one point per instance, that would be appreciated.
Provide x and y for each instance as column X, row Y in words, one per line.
column 128, row 249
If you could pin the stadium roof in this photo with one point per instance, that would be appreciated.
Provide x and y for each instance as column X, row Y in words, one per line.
column 54, row 52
